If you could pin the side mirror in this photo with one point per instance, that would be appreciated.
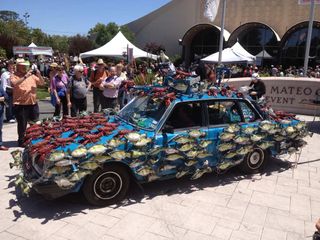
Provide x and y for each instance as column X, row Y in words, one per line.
column 167, row 129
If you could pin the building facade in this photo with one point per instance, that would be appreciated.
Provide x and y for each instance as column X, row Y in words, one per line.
column 277, row 28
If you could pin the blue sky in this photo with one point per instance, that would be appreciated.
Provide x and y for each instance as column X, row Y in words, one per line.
column 70, row 17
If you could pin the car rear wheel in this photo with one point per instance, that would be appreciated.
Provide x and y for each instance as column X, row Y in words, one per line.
column 254, row 161
column 107, row 186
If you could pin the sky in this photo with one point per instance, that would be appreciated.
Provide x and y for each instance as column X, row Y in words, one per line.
column 69, row 17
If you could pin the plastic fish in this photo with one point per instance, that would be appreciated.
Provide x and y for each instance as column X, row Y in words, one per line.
column 233, row 128
column 153, row 177
column 135, row 154
column 182, row 173
column 249, row 130
column 241, row 140
column 77, row 176
column 266, row 145
column 142, row 142
column 101, row 159
column 256, row 138
column 191, row 163
column 14, row 164
column 195, row 134
column 244, row 150
column 204, row 155
column 118, row 155
column 171, row 151
column 204, row 144
column 183, row 140
column 64, row 183
column 97, row 149
column 25, row 188
column 155, row 151
column 199, row 173
column 292, row 150
column 192, row 154
column 136, row 163
column 56, row 171
column 301, row 125
column 186, row 147
column 80, row 152
column 167, row 167
column 145, row 171
column 17, row 155
column 290, row 130
column 301, row 143
column 114, row 143
column 225, row 165
column 225, row 136
column 285, row 121
column 230, row 155
column 266, row 127
column 89, row 165
column 57, row 156
column 225, row 147
column 64, row 163
column 279, row 138
column 173, row 157
column 19, row 180
column 133, row 137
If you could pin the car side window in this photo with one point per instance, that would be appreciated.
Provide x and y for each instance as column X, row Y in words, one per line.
column 248, row 113
column 185, row 115
column 223, row 112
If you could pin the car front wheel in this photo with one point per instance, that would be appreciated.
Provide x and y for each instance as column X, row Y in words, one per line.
column 107, row 186
column 254, row 161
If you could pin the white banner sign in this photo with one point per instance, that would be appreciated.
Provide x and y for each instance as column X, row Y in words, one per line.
column 305, row 2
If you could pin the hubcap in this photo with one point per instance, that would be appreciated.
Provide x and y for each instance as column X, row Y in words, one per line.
column 107, row 185
column 256, row 158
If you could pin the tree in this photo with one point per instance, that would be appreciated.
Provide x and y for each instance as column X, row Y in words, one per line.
column 153, row 47
column 3, row 53
column 6, row 15
column 59, row 43
column 79, row 44
column 100, row 34
column 38, row 37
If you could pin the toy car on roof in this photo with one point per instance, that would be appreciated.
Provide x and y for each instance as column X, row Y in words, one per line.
column 181, row 130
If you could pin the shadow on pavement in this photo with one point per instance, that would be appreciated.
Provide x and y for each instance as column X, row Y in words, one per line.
column 35, row 206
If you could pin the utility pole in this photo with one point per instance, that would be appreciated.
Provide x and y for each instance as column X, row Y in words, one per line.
column 224, row 6
column 307, row 53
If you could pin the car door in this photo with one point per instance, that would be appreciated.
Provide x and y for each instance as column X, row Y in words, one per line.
column 178, row 137
column 220, row 114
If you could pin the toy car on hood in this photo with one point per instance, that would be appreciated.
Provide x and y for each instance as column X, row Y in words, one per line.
column 164, row 132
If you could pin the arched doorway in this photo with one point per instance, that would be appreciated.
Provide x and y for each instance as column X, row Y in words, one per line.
column 257, row 38
column 293, row 45
column 201, row 41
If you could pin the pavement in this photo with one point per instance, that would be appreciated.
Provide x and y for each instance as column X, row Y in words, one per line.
column 282, row 203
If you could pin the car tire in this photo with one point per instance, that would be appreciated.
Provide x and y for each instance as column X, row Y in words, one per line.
column 254, row 161
column 107, row 186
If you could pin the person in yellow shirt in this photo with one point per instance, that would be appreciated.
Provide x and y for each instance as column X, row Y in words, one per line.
column 25, row 83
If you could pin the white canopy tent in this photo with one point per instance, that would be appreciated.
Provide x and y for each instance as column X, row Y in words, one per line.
column 33, row 50
column 234, row 54
column 117, row 47
column 264, row 54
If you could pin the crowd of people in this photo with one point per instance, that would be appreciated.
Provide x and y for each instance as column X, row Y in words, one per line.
column 70, row 81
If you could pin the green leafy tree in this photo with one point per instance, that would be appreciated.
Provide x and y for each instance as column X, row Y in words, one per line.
column 3, row 53
column 100, row 34
column 79, row 44
column 6, row 15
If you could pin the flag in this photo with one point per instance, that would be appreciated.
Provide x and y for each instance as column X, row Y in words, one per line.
column 211, row 9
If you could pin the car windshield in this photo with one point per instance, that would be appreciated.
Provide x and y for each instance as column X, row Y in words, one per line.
column 144, row 112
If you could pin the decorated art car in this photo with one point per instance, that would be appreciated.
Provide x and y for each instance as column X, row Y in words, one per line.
column 164, row 132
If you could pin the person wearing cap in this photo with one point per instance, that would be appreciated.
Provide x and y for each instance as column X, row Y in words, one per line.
column 96, row 78
column 258, row 89
column 59, row 88
column 25, row 84
column 78, row 87
column 7, row 87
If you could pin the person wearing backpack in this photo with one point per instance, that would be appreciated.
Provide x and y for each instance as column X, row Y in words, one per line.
column 77, row 89
column 96, row 78
column 59, row 88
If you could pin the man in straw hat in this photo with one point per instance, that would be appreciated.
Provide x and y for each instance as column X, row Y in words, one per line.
column 25, row 82
column 96, row 78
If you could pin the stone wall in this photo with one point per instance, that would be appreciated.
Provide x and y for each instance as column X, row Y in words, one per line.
column 294, row 95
